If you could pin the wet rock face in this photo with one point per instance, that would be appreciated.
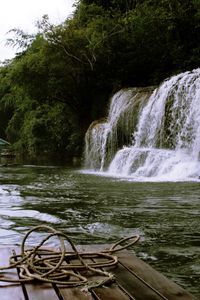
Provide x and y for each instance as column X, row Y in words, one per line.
column 106, row 136
column 93, row 144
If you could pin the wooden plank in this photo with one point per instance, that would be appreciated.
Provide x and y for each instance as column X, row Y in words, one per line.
column 74, row 293
column 132, row 287
column 9, row 290
column 110, row 292
column 135, row 280
column 132, row 274
column 101, row 293
column 139, row 269
column 40, row 290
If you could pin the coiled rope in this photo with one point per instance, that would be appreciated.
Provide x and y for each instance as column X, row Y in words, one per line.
column 63, row 267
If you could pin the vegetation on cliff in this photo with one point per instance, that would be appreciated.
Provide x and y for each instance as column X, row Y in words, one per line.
column 63, row 76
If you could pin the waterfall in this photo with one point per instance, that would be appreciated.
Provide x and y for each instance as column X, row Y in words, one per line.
column 105, row 137
column 150, row 134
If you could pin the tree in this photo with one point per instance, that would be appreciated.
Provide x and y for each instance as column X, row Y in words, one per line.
column 69, row 71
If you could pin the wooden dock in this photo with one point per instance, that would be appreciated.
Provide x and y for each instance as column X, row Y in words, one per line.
column 134, row 280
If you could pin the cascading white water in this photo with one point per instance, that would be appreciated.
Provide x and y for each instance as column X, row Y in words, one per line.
column 104, row 138
column 163, row 132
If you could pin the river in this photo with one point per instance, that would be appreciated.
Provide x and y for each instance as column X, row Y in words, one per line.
column 97, row 209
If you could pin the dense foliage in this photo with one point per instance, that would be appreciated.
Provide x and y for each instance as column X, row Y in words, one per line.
column 63, row 76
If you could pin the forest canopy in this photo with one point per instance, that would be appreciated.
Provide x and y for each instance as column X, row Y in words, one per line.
column 62, row 76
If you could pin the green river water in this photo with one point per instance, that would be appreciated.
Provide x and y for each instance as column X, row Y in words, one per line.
column 97, row 209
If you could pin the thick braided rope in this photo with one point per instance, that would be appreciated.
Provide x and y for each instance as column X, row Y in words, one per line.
column 55, row 267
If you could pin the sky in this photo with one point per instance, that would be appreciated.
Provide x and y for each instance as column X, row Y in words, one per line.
column 24, row 14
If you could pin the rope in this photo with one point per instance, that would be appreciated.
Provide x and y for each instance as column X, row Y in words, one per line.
column 56, row 267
